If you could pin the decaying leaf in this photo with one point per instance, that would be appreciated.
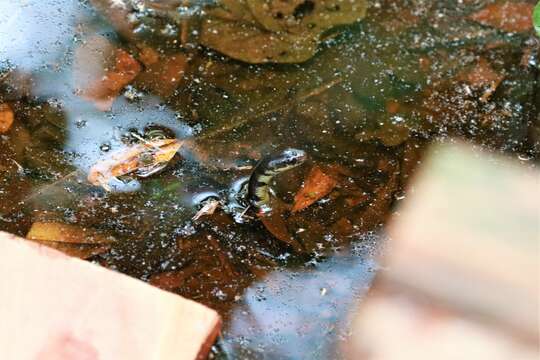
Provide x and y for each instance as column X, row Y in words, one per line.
column 81, row 251
column 105, row 89
column 6, row 118
column 163, row 74
column 72, row 240
column 146, row 158
column 507, row 16
column 482, row 75
column 259, row 31
column 316, row 186
column 301, row 16
column 277, row 226
column 66, row 233
column 249, row 43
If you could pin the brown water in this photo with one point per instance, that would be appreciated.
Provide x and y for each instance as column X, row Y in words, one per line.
column 364, row 108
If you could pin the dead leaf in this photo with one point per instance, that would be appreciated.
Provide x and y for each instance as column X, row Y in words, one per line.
column 81, row 251
column 276, row 225
column 66, row 233
column 316, row 186
column 482, row 75
column 133, row 158
column 507, row 16
column 103, row 91
column 6, row 118
column 173, row 279
column 164, row 74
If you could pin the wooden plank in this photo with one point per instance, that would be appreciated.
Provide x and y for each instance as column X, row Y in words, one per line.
column 56, row 307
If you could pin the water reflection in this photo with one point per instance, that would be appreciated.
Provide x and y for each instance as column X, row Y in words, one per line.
column 301, row 314
column 36, row 33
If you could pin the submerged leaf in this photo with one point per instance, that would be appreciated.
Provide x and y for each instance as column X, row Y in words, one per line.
column 6, row 118
column 316, row 186
column 260, row 31
column 66, row 233
column 507, row 16
column 249, row 43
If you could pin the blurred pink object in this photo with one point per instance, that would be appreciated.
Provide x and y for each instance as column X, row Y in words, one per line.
column 54, row 307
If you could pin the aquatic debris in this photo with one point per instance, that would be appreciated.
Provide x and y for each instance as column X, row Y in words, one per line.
column 6, row 118
column 316, row 186
column 208, row 208
column 507, row 16
column 482, row 75
column 144, row 158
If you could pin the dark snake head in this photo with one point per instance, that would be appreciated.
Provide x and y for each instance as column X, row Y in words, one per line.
column 288, row 159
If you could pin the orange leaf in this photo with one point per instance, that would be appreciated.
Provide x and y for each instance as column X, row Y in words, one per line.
column 6, row 118
column 316, row 186
column 130, row 159
column 104, row 91
column 509, row 16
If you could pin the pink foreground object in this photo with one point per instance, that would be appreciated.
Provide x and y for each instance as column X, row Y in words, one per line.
column 53, row 307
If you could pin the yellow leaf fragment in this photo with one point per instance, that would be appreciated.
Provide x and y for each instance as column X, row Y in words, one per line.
column 66, row 233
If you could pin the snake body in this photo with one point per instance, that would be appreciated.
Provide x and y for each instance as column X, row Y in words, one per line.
column 264, row 172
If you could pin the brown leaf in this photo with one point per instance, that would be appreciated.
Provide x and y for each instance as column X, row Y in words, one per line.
column 81, row 251
column 66, row 233
column 103, row 91
column 172, row 279
column 508, row 16
column 6, row 118
column 163, row 75
column 277, row 226
column 316, row 186
column 482, row 75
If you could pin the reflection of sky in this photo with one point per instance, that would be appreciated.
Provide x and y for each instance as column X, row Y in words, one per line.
column 300, row 314
column 38, row 33
column 35, row 33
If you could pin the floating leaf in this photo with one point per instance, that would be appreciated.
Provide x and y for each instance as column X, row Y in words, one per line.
column 146, row 158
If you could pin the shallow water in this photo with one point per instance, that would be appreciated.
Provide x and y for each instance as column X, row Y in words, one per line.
column 364, row 108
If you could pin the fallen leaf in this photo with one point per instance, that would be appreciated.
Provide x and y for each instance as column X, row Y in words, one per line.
column 482, row 75
column 316, row 186
column 507, row 16
column 81, row 251
column 103, row 91
column 164, row 74
column 66, row 233
column 133, row 158
column 276, row 225
column 172, row 279
column 6, row 118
